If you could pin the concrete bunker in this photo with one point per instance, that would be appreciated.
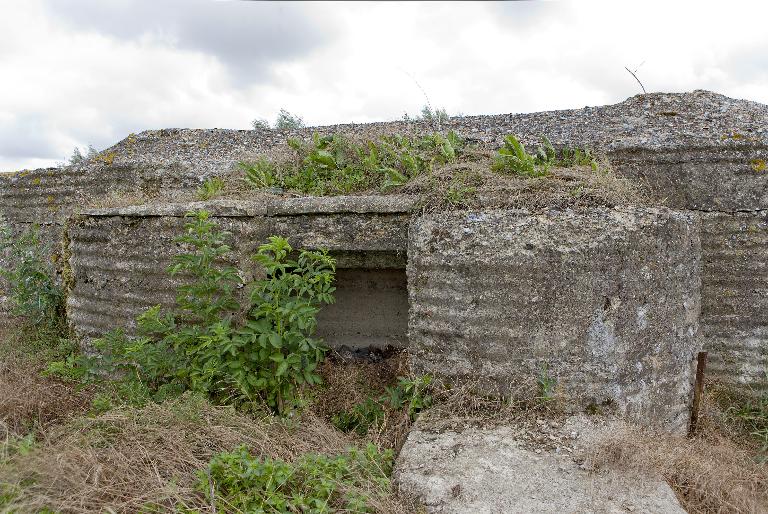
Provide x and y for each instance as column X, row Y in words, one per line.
column 678, row 144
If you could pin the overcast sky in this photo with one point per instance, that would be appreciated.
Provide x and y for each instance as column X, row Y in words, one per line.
column 79, row 72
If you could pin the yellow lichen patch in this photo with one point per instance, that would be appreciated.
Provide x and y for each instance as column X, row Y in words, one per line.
column 37, row 181
column 107, row 158
column 737, row 136
column 50, row 199
column 758, row 165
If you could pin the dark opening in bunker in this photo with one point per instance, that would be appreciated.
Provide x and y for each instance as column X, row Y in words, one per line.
column 371, row 309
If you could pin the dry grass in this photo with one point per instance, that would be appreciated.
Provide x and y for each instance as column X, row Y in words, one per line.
column 28, row 400
column 711, row 473
column 574, row 187
column 128, row 459
column 350, row 383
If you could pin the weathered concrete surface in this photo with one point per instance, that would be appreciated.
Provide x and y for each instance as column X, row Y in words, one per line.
column 494, row 471
column 119, row 258
column 735, row 297
column 609, row 300
column 711, row 178
column 371, row 309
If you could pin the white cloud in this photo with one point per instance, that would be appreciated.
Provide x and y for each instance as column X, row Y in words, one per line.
column 92, row 72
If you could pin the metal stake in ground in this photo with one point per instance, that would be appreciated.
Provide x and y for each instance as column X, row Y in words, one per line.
column 698, row 391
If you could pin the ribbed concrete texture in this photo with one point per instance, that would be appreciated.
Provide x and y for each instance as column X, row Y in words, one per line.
column 607, row 300
column 119, row 259
column 735, row 297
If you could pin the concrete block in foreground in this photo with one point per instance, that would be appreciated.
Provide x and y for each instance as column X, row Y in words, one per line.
column 494, row 470
column 607, row 300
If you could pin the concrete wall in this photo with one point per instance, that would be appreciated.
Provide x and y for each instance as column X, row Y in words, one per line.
column 735, row 296
column 607, row 299
column 119, row 259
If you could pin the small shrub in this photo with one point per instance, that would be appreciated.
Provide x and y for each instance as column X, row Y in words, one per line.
column 211, row 188
column 287, row 121
column 77, row 156
column 277, row 352
column 314, row 483
column 260, row 124
column 435, row 117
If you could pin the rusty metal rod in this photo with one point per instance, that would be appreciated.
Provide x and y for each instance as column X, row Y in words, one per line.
column 698, row 391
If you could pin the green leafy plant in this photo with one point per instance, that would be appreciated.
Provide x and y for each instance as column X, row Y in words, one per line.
column 211, row 188
column 546, row 384
column 14, row 444
column 512, row 158
column 577, row 157
column 335, row 164
column 411, row 393
column 279, row 352
column 236, row 481
column 34, row 293
column 462, row 189
column 753, row 413
column 260, row 174
column 178, row 351
column 266, row 356
column 360, row 418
